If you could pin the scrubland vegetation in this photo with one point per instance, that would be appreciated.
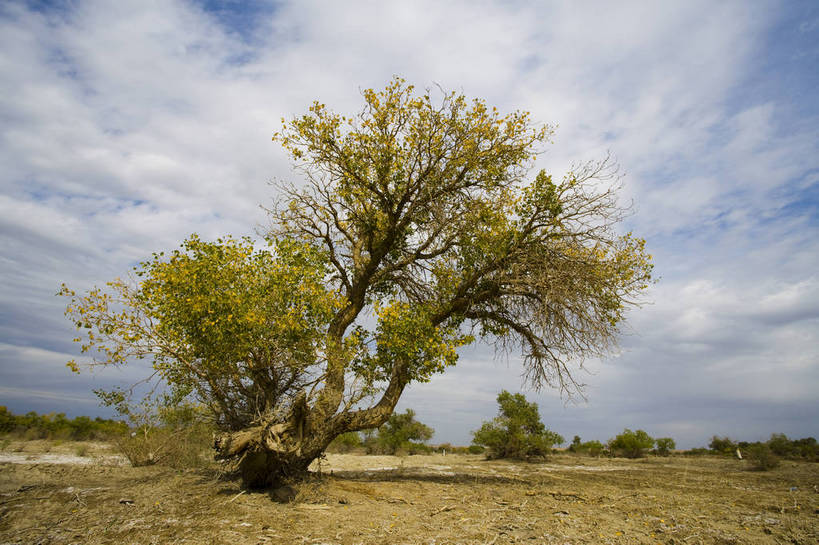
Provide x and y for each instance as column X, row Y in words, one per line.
column 56, row 426
column 389, row 485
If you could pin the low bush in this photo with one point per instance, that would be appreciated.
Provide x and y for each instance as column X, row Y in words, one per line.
column 346, row 442
column 723, row 445
column 32, row 426
column 699, row 451
column 761, row 457
column 592, row 448
column 178, row 436
column 631, row 444
column 589, row 448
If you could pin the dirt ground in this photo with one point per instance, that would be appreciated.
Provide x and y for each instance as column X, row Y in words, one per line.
column 76, row 494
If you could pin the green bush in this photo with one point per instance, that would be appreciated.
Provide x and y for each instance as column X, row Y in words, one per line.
column 631, row 444
column 402, row 433
column 761, row 457
column 346, row 442
column 664, row 446
column 781, row 446
column 592, row 448
column 517, row 431
column 589, row 448
column 806, row 449
column 56, row 426
column 723, row 445
column 699, row 451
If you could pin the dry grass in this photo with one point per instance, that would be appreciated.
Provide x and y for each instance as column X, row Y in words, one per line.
column 419, row 499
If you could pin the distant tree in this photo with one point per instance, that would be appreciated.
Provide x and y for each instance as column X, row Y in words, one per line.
column 631, row 444
column 517, row 431
column 402, row 432
column 575, row 446
column 781, row 445
column 806, row 448
column 665, row 445
column 761, row 457
column 415, row 214
column 7, row 420
column 723, row 445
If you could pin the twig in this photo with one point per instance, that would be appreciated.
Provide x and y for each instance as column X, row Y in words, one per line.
column 231, row 500
column 443, row 509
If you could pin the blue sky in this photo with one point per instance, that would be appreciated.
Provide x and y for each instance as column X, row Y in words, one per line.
column 125, row 126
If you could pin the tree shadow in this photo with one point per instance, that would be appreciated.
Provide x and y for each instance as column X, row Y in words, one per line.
column 427, row 476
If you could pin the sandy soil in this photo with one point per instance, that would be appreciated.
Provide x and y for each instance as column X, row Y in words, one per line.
column 417, row 499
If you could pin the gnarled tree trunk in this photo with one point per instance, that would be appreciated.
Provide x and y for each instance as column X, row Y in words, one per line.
column 274, row 453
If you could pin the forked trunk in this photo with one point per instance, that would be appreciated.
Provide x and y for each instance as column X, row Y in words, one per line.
column 274, row 452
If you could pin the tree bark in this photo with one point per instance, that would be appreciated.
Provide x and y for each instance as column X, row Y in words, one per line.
column 275, row 453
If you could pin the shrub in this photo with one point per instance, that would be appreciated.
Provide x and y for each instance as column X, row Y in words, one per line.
column 346, row 442
column 806, row 448
column 177, row 436
column 699, row 451
column 401, row 433
column 631, row 444
column 780, row 445
column 56, row 426
column 761, row 457
column 476, row 449
column 517, row 431
column 664, row 446
column 589, row 448
column 722, row 445
column 592, row 448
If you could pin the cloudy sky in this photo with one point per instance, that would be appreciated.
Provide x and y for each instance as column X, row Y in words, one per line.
column 126, row 126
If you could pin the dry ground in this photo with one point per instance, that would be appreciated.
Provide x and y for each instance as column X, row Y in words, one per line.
column 417, row 499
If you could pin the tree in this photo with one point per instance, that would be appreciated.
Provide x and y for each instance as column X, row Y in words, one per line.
column 761, row 457
column 416, row 214
column 631, row 444
column 665, row 445
column 517, row 431
column 402, row 432
column 723, row 445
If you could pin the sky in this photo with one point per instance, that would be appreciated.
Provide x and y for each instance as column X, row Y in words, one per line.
column 126, row 126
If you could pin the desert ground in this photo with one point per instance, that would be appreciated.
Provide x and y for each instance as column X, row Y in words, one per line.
column 85, row 494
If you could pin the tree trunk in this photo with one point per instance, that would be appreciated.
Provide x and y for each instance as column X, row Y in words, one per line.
column 274, row 453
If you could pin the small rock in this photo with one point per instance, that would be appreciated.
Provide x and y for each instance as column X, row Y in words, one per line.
column 126, row 501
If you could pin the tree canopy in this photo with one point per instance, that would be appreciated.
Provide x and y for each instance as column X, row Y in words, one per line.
column 416, row 230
